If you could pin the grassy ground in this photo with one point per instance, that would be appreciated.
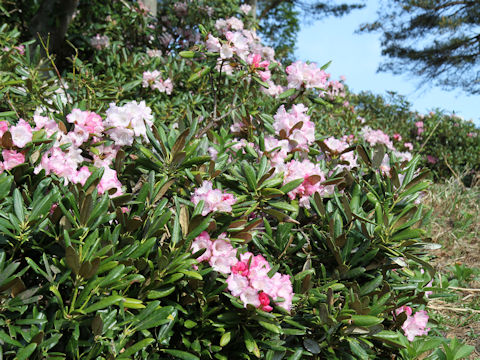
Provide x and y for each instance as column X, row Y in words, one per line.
column 455, row 224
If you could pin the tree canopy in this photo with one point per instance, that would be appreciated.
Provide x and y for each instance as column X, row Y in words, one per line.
column 439, row 41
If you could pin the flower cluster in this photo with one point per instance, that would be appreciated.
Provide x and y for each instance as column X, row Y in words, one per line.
column 334, row 89
column 305, row 75
column 374, row 137
column 153, row 79
column 313, row 177
column 214, row 200
column 337, row 146
column 248, row 274
column 127, row 122
column 295, row 125
column 219, row 253
column 420, row 129
column 241, row 42
column 76, row 152
column 414, row 325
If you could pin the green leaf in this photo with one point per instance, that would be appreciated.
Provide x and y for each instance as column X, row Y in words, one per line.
column 104, row 303
column 284, row 206
column 7, row 339
column 312, row 346
column 291, row 185
column 112, row 276
column 201, row 227
column 156, row 294
column 192, row 274
column 414, row 189
column 136, row 348
column 41, row 207
column 5, row 185
column 181, row 354
column 197, row 75
column 187, row 54
column 271, row 327
column 250, row 344
column 363, row 320
column 357, row 349
column 18, row 205
column 225, row 339
column 408, row 234
column 286, row 93
column 161, row 316
column 23, row 354
column 297, row 355
column 371, row 286
column 250, row 176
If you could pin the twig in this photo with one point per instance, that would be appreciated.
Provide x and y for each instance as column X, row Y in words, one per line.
column 450, row 168
column 463, row 289
column 440, row 307
column 429, row 136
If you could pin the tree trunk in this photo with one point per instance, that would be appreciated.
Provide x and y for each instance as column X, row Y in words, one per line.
column 51, row 22
column 253, row 4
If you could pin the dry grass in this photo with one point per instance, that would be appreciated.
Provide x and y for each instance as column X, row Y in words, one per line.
column 455, row 224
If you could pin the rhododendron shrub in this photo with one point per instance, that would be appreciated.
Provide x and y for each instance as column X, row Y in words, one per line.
column 226, row 217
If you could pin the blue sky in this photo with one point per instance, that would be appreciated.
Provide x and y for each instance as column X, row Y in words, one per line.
column 357, row 56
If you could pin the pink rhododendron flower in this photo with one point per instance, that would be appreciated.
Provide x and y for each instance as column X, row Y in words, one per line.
column 255, row 61
column 374, row 137
column 415, row 325
column 286, row 126
column 333, row 90
column 406, row 309
column 3, row 127
column 306, row 75
column 153, row 79
column 408, row 145
column 21, row 133
column 86, row 123
column 154, row 53
column 212, row 152
column 313, row 177
column 12, row 158
column 237, row 284
column 335, row 145
column 248, row 276
column 397, row 137
column 202, row 241
column 245, row 8
column 63, row 164
column 128, row 121
column 213, row 44
column 264, row 302
column 273, row 89
column 278, row 151
column 82, row 175
column 110, row 181
column 420, row 129
column 214, row 200
column 428, row 293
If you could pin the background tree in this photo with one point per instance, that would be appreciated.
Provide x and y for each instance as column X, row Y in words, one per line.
column 436, row 40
